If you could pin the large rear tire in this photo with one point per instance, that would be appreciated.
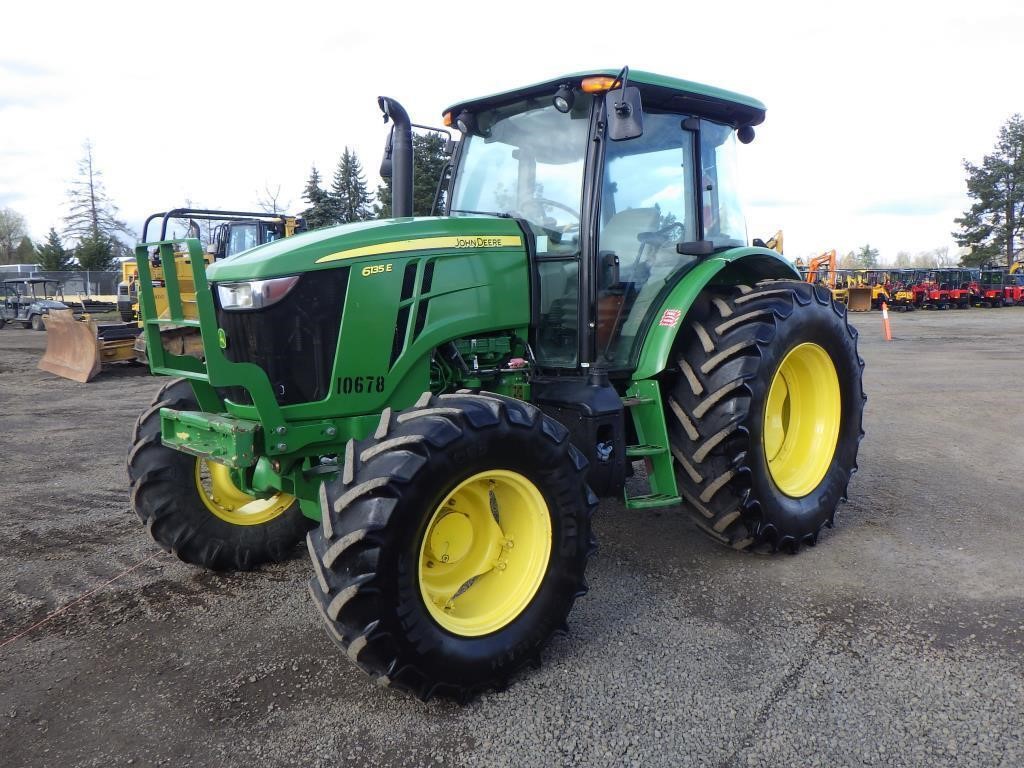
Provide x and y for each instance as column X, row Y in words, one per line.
column 765, row 413
column 453, row 544
column 192, row 507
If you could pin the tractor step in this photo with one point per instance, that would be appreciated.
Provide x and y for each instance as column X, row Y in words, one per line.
column 639, row 451
column 651, row 500
column 643, row 398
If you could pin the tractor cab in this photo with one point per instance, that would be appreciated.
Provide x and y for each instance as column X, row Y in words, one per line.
column 622, row 190
column 233, row 237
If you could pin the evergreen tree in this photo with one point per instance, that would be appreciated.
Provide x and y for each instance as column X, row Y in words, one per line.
column 91, row 215
column 350, row 199
column 428, row 163
column 994, row 225
column 25, row 253
column 96, row 254
column 867, row 257
column 319, row 213
column 52, row 256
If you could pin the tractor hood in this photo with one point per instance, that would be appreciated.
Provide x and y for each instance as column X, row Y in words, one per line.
column 366, row 241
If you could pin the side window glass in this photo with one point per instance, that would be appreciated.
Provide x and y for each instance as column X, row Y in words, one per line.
column 723, row 214
column 647, row 206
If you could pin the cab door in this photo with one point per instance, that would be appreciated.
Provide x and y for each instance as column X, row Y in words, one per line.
column 647, row 206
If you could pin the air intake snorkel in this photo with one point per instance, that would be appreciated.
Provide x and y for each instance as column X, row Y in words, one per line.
column 397, row 163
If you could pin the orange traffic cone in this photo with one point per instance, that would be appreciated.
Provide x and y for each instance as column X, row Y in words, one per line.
column 885, row 322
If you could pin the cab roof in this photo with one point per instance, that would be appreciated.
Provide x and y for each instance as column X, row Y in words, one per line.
column 671, row 93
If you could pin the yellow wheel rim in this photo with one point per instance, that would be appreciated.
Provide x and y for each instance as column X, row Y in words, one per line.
column 232, row 505
column 801, row 420
column 485, row 552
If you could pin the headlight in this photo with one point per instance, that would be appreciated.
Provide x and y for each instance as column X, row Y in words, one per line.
column 254, row 294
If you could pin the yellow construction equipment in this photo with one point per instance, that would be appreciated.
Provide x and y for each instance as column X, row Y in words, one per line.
column 858, row 292
column 774, row 242
column 78, row 349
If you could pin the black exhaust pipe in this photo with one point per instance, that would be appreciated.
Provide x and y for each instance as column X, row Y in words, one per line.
column 398, row 157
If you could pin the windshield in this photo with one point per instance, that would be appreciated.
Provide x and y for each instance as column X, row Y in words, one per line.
column 242, row 238
column 526, row 160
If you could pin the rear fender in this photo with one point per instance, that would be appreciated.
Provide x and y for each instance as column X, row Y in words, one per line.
column 734, row 267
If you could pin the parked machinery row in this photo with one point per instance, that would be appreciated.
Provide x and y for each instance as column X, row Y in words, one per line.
column 910, row 289
column 956, row 288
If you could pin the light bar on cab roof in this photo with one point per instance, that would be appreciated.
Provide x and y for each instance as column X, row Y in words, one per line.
column 598, row 84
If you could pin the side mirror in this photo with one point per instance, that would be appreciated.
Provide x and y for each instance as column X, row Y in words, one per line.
column 625, row 113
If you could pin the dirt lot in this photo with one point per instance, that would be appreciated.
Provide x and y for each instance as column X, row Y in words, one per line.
column 897, row 641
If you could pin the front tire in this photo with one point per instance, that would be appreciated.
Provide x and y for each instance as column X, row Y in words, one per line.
column 453, row 544
column 765, row 414
column 36, row 323
column 192, row 508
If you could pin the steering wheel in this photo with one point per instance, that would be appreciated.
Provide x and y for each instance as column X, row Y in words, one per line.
column 556, row 204
column 660, row 236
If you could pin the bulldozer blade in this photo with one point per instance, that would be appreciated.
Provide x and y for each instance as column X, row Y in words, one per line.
column 859, row 300
column 72, row 346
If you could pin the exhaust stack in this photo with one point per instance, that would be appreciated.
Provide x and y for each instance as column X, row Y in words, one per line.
column 397, row 162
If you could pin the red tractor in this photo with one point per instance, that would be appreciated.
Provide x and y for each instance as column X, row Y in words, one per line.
column 963, row 287
column 934, row 290
column 992, row 289
column 1013, row 289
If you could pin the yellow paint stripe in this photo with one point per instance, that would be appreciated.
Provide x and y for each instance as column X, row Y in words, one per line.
column 425, row 243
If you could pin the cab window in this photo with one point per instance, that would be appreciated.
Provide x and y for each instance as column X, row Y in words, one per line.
column 242, row 237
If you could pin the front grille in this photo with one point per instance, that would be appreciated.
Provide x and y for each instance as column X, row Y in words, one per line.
column 293, row 341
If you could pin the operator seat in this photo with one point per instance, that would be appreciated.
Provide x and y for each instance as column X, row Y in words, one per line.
column 620, row 235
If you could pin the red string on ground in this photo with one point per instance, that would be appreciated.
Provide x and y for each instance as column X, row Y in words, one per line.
column 90, row 593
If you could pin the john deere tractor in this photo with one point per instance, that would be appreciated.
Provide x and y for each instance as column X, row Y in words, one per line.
column 437, row 403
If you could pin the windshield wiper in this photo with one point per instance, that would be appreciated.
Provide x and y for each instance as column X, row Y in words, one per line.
column 484, row 213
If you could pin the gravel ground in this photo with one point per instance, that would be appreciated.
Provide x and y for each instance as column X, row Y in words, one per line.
column 897, row 641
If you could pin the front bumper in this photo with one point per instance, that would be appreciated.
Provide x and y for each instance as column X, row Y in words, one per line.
column 224, row 439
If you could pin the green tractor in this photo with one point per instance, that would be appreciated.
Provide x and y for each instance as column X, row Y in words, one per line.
column 437, row 403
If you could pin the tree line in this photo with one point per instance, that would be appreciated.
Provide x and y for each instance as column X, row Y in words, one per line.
column 868, row 257
column 991, row 231
column 91, row 222
column 91, row 235
column 348, row 198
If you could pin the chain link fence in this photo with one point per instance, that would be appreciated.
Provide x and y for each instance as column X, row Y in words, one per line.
column 75, row 283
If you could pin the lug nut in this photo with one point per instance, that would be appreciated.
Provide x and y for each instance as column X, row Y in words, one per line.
column 282, row 446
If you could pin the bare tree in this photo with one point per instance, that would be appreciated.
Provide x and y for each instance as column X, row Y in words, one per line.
column 268, row 202
column 936, row 257
column 12, row 229
column 92, row 217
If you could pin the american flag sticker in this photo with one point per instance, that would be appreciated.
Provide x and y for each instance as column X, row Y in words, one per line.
column 671, row 318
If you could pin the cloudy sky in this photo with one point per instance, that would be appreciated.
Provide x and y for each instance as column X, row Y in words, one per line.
column 871, row 106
